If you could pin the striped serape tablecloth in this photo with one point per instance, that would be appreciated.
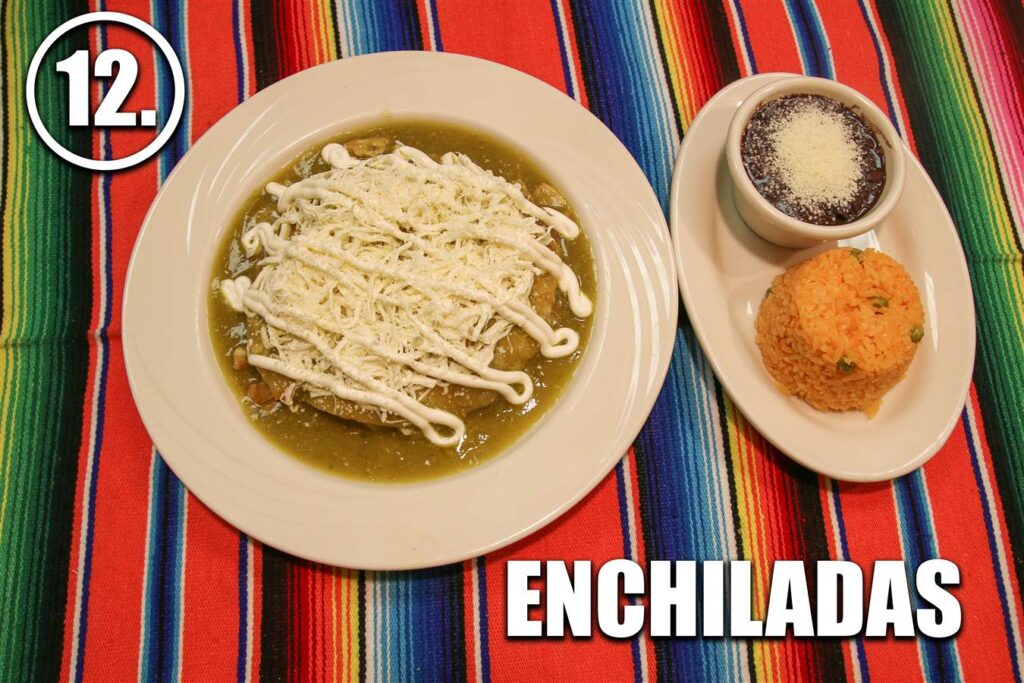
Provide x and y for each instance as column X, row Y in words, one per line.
column 111, row 570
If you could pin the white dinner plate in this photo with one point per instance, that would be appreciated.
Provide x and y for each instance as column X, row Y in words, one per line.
column 724, row 270
column 198, row 424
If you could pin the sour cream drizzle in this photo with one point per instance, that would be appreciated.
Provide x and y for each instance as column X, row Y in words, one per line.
column 387, row 278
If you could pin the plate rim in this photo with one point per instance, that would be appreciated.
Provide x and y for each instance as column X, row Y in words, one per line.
column 677, row 225
column 151, row 419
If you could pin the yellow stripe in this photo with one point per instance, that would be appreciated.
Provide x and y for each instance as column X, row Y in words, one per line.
column 352, row 586
column 943, row 20
column 678, row 67
column 328, row 37
column 344, row 599
column 334, row 625
column 13, row 245
column 986, row 164
column 749, row 541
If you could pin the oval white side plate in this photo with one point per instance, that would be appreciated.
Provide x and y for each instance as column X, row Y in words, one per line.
column 724, row 270
column 197, row 422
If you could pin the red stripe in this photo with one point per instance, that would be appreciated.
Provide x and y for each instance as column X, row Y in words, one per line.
column 256, row 627
column 771, row 37
column 498, row 32
column 697, row 62
column 210, row 641
column 640, row 550
column 121, row 507
column 591, row 530
column 84, row 453
column 1013, row 591
column 469, row 618
column 771, row 511
column 297, row 38
column 210, row 636
column 869, row 513
column 856, row 63
column 213, row 67
column 895, row 84
column 959, row 518
column 422, row 11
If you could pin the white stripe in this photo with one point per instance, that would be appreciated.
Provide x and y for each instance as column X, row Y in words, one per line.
column 720, row 488
column 1012, row 597
column 243, row 46
column 429, row 11
column 84, row 530
column 345, row 34
column 627, row 478
column 833, row 517
column 662, row 84
column 181, row 590
column 887, row 67
column 98, row 378
column 477, row 636
column 563, row 28
column 371, row 635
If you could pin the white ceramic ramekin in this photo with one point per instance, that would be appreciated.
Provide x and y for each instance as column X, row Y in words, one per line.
column 780, row 228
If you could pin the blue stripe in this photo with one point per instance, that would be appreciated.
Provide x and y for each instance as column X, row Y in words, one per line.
column 882, row 76
column 243, row 605
column 243, row 541
column 815, row 53
column 627, row 551
column 990, row 534
column 485, row 649
column 691, row 518
column 154, row 513
column 169, row 20
column 239, row 49
column 745, row 35
column 418, row 610
column 914, row 513
column 563, row 50
column 95, row 455
column 101, row 397
column 161, row 613
column 858, row 643
column 627, row 92
column 386, row 26
column 437, row 25
column 420, row 624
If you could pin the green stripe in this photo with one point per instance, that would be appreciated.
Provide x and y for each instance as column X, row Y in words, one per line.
column 954, row 143
column 47, row 358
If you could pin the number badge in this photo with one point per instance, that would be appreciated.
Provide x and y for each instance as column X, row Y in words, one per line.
column 109, row 113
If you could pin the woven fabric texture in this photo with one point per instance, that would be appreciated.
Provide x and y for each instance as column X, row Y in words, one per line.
column 110, row 570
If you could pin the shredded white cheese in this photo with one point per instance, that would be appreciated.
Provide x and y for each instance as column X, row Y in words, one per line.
column 818, row 159
column 386, row 278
